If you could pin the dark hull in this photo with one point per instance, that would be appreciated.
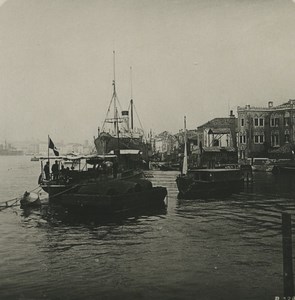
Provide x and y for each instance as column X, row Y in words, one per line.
column 153, row 197
column 190, row 189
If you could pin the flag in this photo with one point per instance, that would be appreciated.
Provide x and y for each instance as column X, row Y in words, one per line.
column 51, row 146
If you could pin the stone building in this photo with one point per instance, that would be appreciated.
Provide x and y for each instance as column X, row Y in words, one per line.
column 263, row 131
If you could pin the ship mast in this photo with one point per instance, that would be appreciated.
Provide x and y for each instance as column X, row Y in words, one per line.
column 131, row 101
column 116, row 125
column 184, row 165
column 116, row 119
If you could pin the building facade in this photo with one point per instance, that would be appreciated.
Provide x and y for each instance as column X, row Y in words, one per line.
column 262, row 131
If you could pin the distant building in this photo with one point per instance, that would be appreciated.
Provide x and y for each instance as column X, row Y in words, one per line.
column 164, row 146
column 266, row 131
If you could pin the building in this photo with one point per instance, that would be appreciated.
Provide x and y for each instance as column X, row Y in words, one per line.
column 165, row 144
column 266, row 131
column 217, row 142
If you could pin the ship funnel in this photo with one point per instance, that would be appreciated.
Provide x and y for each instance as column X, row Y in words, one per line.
column 125, row 117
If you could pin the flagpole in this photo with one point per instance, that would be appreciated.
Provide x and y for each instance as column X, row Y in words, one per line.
column 184, row 164
column 48, row 147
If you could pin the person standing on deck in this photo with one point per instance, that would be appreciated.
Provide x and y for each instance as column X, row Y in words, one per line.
column 46, row 171
column 55, row 170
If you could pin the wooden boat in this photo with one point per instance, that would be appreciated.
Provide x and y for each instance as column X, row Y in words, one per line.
column 34, row 158
column 198, row 183
column 259, row 164
column 30, row 200
column 105, row 189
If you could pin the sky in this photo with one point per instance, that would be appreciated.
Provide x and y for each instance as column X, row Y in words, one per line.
column 193, row 58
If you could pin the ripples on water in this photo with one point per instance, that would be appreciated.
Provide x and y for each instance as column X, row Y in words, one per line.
column 226, row 248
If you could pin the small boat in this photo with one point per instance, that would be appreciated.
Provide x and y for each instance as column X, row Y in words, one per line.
column 30, row 200
column 35, row 158
column 261, row 164
column 198, row 183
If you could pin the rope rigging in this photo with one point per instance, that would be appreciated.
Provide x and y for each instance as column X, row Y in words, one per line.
column 7, row 203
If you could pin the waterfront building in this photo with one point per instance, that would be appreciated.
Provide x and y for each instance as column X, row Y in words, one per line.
column 217, row 142
column 266, row 131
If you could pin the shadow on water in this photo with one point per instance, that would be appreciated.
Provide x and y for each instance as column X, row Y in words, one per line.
column 55, row 214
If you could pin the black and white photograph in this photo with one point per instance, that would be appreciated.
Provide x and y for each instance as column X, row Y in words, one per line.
column 147, row 149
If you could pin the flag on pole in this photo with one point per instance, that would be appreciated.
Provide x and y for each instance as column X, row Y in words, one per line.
column 51, row 146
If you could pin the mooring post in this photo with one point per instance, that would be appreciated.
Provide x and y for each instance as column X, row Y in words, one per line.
column 287, row 255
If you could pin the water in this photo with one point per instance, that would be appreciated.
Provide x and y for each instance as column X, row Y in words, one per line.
column 215, row 249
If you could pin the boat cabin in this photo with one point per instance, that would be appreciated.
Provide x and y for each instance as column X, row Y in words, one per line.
column 76, row 167
column 72, row 169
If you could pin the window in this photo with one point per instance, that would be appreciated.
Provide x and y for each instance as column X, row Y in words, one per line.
column 243, row 139
column 274, row 139
column 259, row 139
column 286, row 121
column 215, row 143
column 242, row 122
column 274, row 122
column 287, row 138
column 256, row 122
column 259, row 122
column 256, row 139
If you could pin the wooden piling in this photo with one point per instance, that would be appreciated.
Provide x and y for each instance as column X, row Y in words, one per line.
column 287, row 255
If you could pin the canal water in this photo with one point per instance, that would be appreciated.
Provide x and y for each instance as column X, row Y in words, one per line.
column 226, row 248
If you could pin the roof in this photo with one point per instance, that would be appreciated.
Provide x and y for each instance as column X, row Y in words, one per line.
column 219, row 123
column 218, row 149
column 77, row 157
column 219, row 130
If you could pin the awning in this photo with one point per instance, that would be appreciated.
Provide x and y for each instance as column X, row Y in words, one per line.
column 219, row 131
column 127, row 151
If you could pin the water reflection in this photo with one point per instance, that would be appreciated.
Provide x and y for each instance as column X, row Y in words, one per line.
column 54, row 214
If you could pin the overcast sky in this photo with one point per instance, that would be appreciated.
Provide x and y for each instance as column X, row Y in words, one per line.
column 198, row 58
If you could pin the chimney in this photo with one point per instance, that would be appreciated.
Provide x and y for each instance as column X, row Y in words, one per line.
column 248, row 106
column 270, row 104
column 231, row 115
